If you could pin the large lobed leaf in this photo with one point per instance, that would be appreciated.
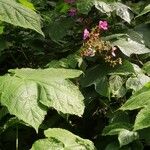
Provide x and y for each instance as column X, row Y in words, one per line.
column 24, row 92
column 62, row 139
column 18, row 15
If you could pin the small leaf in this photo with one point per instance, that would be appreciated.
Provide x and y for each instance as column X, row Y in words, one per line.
column 125, row 137
column 18, row 15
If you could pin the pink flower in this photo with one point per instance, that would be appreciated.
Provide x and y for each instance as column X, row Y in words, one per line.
column 72, row 12
column 86, row 34
column 103, row 25
column 69, row 1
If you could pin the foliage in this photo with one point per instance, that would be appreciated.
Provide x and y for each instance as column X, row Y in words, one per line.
column 74, row 74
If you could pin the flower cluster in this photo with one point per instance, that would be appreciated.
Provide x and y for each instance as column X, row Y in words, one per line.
column 94, row 46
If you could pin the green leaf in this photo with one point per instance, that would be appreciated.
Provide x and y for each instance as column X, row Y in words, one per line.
column 84, row 6
column 102, row 86
column 50, row 74
column 21, row 99
column 143, row 29
column 115, row 128
column 97, row 76
column 116, row 86
column 70, row 62
column 144, row 11
column 69, row 140
column 27, row 4
column 18, row 15
column 54, row 89
column 103, row 7
column 62, row 139
column 129, row 46
column 119, row 116
column 26, row 88
column 48, row 144
column 146, row 68
column 125, row 137
column 62, row 95
column 142, row 119
column 123, row 11
column 59, row 29
column 139, row 100
column 120, row 9
column 136, row 83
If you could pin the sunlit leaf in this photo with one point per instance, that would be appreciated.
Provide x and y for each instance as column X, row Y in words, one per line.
column 18, row 15
column 28, row 88
column 129, row 46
